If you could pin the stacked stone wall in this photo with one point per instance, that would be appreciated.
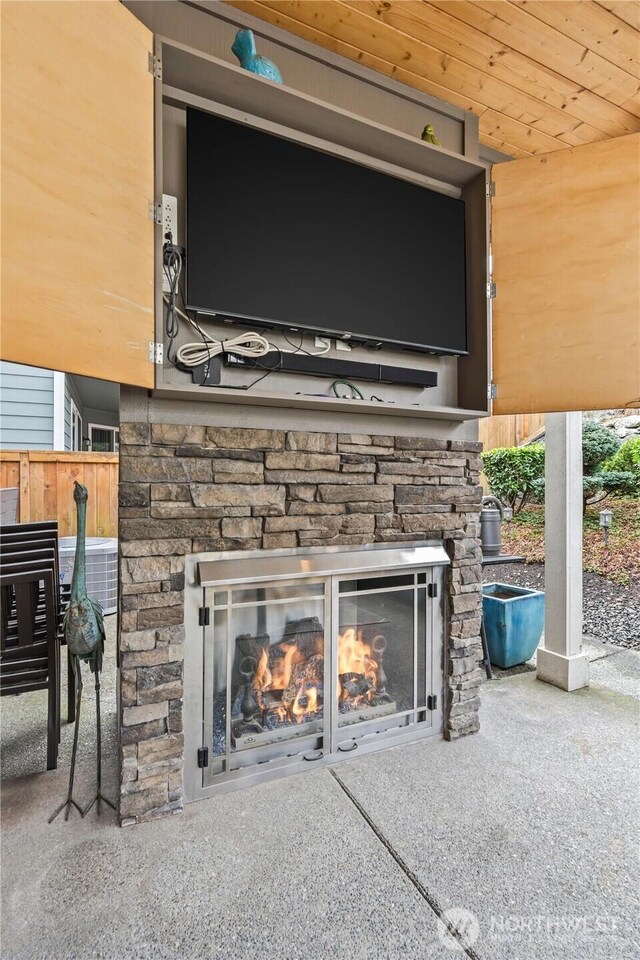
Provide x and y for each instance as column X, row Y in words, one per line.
column 189, row 489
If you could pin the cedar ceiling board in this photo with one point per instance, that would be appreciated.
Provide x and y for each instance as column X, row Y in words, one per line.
column 310, row 32
column 365, row 32
column 519, row 30
column 591, row 25
column 566, row 248
column 77, row 169
column 537, row 75
column 487, row 62
column 626, row 10
column 542, row 80
column 278, row 18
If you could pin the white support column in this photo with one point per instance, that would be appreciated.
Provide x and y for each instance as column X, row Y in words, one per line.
column 562, row 661
column 58, row 410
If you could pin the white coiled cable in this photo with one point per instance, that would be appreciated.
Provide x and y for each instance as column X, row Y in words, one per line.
column 248, row 344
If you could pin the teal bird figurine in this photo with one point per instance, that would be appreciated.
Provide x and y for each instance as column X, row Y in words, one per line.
column 429, row 135
column 244, row 48
column 84, row 633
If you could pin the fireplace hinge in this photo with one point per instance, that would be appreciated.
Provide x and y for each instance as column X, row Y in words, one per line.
column 203, row 757
column 432, row 702
column 432, row 590
column 203, row 616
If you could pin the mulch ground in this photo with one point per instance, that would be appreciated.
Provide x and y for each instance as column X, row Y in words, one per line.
column 619, row 561
column 611, row 611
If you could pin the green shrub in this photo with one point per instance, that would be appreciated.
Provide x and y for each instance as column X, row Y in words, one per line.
column 598, row 445
column 512, row 473
column 626, row 458
column 599, row 448
column 516, row 474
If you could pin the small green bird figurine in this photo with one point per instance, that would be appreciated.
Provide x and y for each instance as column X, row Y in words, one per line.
column 429, row 135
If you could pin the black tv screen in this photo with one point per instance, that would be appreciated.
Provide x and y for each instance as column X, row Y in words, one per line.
column 283, row 234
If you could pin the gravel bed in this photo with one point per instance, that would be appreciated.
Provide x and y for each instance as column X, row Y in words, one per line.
column 611, row 612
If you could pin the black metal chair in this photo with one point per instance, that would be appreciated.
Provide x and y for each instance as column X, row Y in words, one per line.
column 29, row 543
column 29, row 646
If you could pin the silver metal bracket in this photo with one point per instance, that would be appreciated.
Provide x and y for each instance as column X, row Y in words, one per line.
column 156, row 352
column 155, row 66
column 492, row 391
column 491, row 291
column 491, row 188
column 154, row 211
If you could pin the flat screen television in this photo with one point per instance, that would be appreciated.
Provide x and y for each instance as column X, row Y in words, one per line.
column 280, row 234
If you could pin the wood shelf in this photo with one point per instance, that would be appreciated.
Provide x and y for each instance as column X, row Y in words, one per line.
column 299, row 401
column 202, row 75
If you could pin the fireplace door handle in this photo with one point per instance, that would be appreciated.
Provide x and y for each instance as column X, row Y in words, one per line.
column 348, row 747
column 317, row 755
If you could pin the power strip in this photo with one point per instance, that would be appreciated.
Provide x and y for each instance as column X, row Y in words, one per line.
column 169, row 225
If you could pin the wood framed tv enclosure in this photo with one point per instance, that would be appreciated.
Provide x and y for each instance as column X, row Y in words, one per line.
column 188, row 77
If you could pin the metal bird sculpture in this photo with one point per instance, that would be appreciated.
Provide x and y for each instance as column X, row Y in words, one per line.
column 244, row 48
column 84, row 633
column 429, row 135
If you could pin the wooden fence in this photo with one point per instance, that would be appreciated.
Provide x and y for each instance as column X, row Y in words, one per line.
column 45, row 480
column 510, row 431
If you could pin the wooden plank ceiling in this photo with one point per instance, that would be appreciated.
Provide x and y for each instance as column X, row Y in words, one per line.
column 542, row 75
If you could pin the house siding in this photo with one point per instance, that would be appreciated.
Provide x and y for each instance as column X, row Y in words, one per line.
column 26, row 410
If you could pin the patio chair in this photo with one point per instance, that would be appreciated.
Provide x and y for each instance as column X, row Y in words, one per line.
column 29, row 647
column 27, row 543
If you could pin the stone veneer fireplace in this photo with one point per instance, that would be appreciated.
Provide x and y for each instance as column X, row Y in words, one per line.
column 198, row 490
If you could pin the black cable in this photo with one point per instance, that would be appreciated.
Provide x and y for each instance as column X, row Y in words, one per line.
column 172, row 268
column 267, row 369
column 207, row 366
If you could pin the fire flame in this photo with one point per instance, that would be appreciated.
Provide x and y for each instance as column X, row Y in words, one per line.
column 279, row 677
column 357, row 667
column 301, row 710
column 355, row 657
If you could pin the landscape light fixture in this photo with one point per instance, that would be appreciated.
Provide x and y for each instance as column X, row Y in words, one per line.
column 606, row 516
column 507, row 513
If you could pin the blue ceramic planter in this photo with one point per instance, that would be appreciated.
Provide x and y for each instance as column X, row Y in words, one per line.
column 513, row 622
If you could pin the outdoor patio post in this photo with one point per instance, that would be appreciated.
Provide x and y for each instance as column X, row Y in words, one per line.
column 562, row 661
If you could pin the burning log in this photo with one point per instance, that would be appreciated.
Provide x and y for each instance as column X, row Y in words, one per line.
column 309, row 673
column 308, row 636
column 355, row 685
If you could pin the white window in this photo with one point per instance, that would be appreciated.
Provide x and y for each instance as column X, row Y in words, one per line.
column 76, row 427
column 104, row 439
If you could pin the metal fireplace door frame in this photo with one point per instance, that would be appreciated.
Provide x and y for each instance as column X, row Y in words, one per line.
column 199, row 635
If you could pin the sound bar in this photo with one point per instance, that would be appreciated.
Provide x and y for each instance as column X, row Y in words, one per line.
column 340, row 369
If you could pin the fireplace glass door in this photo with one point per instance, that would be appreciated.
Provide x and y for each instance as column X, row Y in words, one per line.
column 310, row 668
column 381, row 652
column 266, row 663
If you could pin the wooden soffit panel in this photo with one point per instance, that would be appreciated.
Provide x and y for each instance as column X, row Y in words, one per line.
column 77, row 177
column 566, row 257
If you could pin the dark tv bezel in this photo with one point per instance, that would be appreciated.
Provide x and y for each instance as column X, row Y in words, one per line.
column 356, row 339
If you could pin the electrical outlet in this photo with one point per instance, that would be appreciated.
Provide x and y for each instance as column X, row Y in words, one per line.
column 169, row 225
column 343, row 345
column 323, row 342
column 170, row 217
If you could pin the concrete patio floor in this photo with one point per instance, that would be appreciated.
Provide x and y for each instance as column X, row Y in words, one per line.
column 531, row 826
